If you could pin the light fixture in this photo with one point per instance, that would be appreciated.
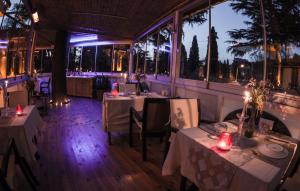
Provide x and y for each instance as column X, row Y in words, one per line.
column 4, row 41
column 3, row 47
column 83, row 38
column 35, row 17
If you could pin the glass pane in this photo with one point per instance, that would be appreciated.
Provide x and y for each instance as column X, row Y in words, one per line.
column 74, row 59
column 236, row 44
column 104, row 54
column 88, row 59
column 283, row 45
column 121, row 58
column 194, row 45
column 151, row 53
column 139, row 56
column 164, row 58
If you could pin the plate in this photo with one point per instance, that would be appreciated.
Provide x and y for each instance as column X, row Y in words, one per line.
column 273, row 151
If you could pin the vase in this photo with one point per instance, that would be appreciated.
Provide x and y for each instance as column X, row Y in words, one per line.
column 251, row 124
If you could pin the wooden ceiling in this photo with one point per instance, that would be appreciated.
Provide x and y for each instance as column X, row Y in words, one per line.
column 111, row 19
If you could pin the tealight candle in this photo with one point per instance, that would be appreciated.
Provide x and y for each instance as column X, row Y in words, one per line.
column 19, row 110
column 224, row 141
column 114, row 92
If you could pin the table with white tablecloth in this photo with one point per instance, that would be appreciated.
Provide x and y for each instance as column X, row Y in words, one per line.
column 25, row 130
column 115, row 115
column 195, row 154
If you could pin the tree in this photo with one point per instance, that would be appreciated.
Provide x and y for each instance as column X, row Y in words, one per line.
column 184, row 61
column 214, row 55
column 193, row 61
column 282, row 24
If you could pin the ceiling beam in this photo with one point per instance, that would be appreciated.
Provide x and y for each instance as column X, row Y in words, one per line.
column 99, row 15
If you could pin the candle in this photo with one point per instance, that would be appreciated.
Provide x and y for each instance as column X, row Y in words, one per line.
column 19, row 110
column 114, row 92
column 225, row 141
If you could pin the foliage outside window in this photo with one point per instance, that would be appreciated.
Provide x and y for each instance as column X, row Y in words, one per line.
column 194, row 43
column 139, row 60
column 164, row 58
column 74, row 59
column 151, row 53
column 88, row 59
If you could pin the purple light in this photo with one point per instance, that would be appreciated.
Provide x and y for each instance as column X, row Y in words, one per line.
column 99, row 43
column 4, row 41
column 83, row 38
column 3, row 47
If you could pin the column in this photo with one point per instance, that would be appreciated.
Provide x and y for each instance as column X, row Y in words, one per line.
column 59, row 89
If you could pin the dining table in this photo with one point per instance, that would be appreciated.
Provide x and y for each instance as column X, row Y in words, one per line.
column 115, row 115
column 25, row 129
column 194, row 153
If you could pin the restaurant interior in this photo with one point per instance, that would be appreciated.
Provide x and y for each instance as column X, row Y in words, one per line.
column 170, row 95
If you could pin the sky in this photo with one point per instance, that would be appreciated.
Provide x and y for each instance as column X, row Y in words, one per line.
column 223, row 19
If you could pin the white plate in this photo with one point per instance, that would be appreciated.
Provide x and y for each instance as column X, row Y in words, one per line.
column 273, row 151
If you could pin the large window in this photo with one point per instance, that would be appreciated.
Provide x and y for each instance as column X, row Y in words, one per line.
column 74, row 59
column 88, row 58
column 139, row 60
column 235, row 56
column 194, row 43
column 104, row 58
column 153, row 52
column 120, row 58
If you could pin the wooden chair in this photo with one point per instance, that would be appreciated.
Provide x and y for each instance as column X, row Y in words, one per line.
column 10, row 158
column 153, row 121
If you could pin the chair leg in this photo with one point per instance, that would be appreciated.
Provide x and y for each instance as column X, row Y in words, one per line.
column 130, row 129
column 4, row 184
column 109, row 138
column 26, row 166
column 27, row 176
column 166, row 149
column 144, row 149
column 183, row 183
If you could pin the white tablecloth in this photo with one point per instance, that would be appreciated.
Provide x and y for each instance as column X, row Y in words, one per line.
column 195, row 155
column 115, row 115
column 25, row 130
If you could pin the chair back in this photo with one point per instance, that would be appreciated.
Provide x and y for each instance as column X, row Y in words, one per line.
column 156, row 114
column 184, row 113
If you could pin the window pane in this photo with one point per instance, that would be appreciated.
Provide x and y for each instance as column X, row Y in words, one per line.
column 236, row 43
column 139, row 56
column 74, row 59
column 164, row 58
column 194, row 45
column 151, row 53
column 283, row 45
column 121, row 58
column 88, row 59
column 104, row 59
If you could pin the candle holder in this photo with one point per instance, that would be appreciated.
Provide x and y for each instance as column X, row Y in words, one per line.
column 225, row 141
column 19, row 110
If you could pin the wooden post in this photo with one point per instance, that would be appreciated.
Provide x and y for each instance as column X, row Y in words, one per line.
column 58, row 67
column 30, row 48
column 130, row 59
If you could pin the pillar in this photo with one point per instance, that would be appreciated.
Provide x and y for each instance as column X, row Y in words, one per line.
column 59, row 87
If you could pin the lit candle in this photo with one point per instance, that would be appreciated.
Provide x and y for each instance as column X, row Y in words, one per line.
column 114, row 92
column 19, row 110
column 225, row 141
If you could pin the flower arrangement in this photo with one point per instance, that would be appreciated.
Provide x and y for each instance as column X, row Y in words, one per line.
column 258, row 94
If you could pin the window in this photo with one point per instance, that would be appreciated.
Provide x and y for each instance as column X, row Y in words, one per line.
column 74, row 59
column 104, row 58
column 121, row 58
column 151, row 53
column 194, row 43
column 164, row 58
column 88, row 58
column 42, row 61
column 139, row 59
column 236, row 46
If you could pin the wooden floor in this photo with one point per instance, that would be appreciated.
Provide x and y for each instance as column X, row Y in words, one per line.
column 75, row 155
